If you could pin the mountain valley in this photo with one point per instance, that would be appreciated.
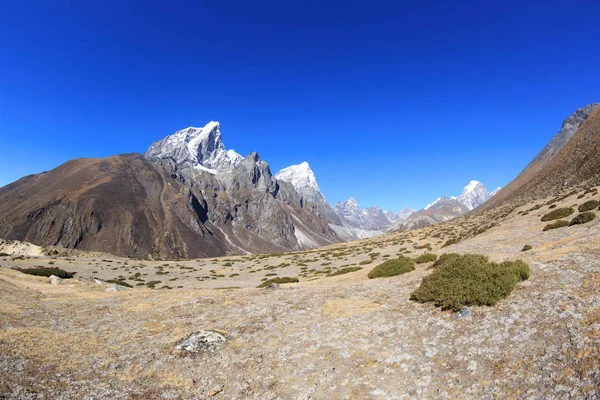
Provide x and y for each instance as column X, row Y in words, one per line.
column 304, row 318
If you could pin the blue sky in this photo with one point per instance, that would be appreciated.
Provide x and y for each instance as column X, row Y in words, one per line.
column 393, row 103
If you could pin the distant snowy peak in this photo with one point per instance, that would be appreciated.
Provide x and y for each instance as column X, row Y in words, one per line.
column 475, row 194
column 201, row 148
column 301, row 176
column 436, row 201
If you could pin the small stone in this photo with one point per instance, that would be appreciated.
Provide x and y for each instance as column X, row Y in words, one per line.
column 201, row 341
column 55, row 280
column 214, row 392
column 465, row 313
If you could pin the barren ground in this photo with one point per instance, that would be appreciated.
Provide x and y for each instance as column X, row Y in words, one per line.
column 343, row 337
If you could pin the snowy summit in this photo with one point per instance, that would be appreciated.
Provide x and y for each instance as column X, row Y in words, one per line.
column 201, row 148
column 303, row 179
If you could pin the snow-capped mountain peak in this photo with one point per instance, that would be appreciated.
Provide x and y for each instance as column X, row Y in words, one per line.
column 428, row 206
column 472, row 186
column 201, row 148
column 474, row 195
column 301, row 176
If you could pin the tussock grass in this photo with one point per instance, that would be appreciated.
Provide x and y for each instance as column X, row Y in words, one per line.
column 561, row 223
column 119, row 282
column 43, row 271
column 589, row 205
column 278, row 280
column 558, row 213
column 583, row 218
column 465, row 280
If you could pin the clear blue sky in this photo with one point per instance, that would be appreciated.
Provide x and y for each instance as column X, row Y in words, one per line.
column 393, row 103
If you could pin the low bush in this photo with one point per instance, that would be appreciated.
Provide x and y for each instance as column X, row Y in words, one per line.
column 469, row 280
column 583, row 218
column 444, row 258
column 119, row 282
column 279, row 280
column 561, row 223
column 558, row 213
column 425, row 258
column 42, row 271
column 588, row 205
column 526, row 248
column 393, row 267
column 152, row 284
column 451, row 242
column 346, row 270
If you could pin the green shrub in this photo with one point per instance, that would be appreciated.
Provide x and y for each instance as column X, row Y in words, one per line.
column 346, row 270
column 450, row 242
column 445, row 258
column 41, row 271
column 558, row 213
column 468, row 280
column 589, row 205
column 278, row 280
column 119, row 282
column 552, row 206
column 365, row 262
column 152, row 284
column 425, row 258
column 583, row 218
column 561, row 223
column 526, row 248
column 393, row 267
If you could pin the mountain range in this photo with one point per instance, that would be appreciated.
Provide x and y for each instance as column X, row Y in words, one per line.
column 188, row 197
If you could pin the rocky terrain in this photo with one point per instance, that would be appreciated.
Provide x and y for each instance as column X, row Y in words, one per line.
column 327, row 336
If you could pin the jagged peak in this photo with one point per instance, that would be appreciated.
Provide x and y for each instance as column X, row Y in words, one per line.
column 199, row 147
column 472, row 186
column 301, row 176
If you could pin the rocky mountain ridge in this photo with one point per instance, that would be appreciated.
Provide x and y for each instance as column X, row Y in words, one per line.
column 569, row 128
column 187, row 197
